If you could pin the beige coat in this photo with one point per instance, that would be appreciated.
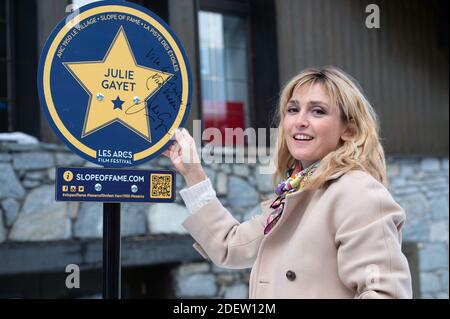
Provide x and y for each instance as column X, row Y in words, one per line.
column 343, row 241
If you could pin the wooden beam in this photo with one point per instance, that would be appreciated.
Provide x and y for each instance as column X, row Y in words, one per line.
column 18, row 258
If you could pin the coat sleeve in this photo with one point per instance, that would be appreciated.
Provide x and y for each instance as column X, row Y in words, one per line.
column 221, row 238
column 368, row 226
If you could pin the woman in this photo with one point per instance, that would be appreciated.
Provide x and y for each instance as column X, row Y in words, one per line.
column 332, row 229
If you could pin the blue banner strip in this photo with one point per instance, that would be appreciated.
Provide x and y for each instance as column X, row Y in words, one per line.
column 85, row 184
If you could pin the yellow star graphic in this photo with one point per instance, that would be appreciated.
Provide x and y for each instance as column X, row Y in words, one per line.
column 118, row 88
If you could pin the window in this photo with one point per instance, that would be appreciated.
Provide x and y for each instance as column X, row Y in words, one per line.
column 19, row 105
column 238, row 65
column 4, row 66
column 224, row 71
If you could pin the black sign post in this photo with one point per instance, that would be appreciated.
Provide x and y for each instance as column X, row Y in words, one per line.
column 111, row 251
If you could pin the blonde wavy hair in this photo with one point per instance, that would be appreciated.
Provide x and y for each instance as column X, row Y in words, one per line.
column 363, row 152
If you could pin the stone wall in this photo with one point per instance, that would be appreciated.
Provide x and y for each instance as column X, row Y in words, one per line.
column 29, row 212
column 420, row 186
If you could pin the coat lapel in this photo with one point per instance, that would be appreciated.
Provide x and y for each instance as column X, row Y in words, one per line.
column 295, row 201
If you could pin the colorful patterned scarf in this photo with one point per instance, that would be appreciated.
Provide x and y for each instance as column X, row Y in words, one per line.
column 297, row 180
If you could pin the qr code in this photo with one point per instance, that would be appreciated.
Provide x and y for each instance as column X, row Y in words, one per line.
column 160, row 185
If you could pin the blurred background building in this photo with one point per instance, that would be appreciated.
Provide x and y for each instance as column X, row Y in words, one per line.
column 241, row 53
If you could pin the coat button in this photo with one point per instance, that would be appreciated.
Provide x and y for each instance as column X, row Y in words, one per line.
column 290, row 275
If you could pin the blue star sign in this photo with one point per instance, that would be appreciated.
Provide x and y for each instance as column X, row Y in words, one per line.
column 117, row 103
